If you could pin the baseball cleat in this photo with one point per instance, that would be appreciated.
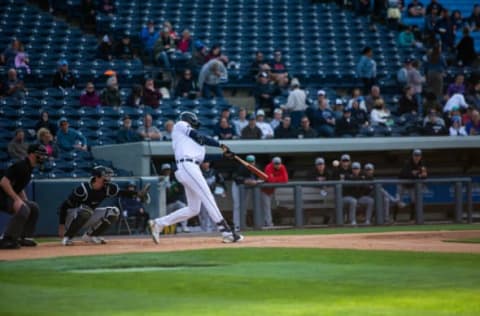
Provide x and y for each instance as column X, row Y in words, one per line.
column 229, row 237
column 155, row 231
column 67, row 241
column 93, row 239
column 27, row 242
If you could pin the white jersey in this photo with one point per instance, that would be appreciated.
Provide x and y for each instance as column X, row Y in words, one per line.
column 183, row 145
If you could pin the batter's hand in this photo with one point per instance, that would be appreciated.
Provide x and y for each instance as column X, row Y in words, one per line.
column 225, row 148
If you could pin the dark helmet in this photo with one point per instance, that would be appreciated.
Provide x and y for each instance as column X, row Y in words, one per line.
column 102, row 171
column 190, row 118
column 40, row 152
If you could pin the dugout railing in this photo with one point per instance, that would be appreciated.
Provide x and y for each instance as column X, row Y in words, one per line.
column 460, row 184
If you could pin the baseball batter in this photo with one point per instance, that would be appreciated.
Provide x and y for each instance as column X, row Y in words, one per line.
column 189, row 149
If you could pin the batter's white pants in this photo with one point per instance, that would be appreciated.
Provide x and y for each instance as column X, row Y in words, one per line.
column 197, row 193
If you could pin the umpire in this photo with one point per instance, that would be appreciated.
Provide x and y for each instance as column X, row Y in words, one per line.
column 13, row 200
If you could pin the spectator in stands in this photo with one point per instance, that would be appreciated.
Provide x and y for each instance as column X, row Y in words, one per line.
column 367, row 69
column 132, row 205
column 457, row 20
column 372, row 98
column 466, row 55
column 44, row 122
column 416, row 9
column 267, row 131
column 277, row 66
column 458, row 86
column 473, row 97
column 241, row 121
column 406, row 38
column 216, row 183
column 346, row 126
column 408, row 103
column 474, row 19
column 106, row 7
column 358, row 98
column 285, row 129
column 431, row 21
column 14, row 87
column 151, row 95
column 380, row 115
column 216, row 53
column 296, row 103
column 457, row 128
column 264, row 93
column 473, row 127
column 187, row 86
column 277, row 173
column 124, row 48
column 17, row 147
column 7, row 58
column 105, row 48
column 416, row 81
column 322, row 118
column 445, row 29
column 126, row 134
column 277, row 118
column 434, row 5
column 434, row 125
column 338, row 109
column 359, row 115
column 258, row 66
column 64, row 78
column 413, row 169
column 149, row 36
column 89, row 96
column 168, row 128
column 22, row 60
column 223, row 130
column 148, row 131
column 402, row 73
column 199, row 57
column 69, row 139
column 185, row 45
column 358, row 195
column 455, row 101
column 305, row 130
column 163, row 48
column 45, row 138
column 435, row 68
column 225, row 113
column 212, row 74
column 135, row 98
column 251, row 131
column 175, row 193
column 343, row 169
column 110, row 95
column 88, row 15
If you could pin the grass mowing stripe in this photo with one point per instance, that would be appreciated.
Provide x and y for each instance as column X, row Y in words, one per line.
column 465, row 240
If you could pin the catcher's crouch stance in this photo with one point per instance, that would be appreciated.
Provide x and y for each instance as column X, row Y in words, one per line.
column 80, row 209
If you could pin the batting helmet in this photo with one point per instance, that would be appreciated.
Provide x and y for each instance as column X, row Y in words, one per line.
column 190, row 118
column 102, row 171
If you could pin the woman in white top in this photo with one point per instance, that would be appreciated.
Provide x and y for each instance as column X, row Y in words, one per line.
column 380, row 115
column 457, row 129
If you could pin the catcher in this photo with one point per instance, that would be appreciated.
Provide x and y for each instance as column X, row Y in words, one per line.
column 80, row 209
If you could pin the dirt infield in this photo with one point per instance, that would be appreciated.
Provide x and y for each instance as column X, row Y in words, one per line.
column 406, row 241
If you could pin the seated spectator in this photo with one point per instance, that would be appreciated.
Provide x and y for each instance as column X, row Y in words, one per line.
column 416, row 9
column 148, row 131
column 457, row 100
column 110, row 95
column 44, row 122
column 17, row 147
column 187, row 86
column 251, row 131
column 225, row 113
column 264, row 93
column 457, row 128
column 163, row 48
column 380, row 115
column 223, row 130
column 359, row 115
column 322, row 118
column 474, row 19
column 185, row 47
column 63, row 78
column 458, row 86
column 372, row 98
column 267, row 131
column 277, row 66
column 406, row 38
column 105, row 48
column 89, row 96
column 216, row 53
column 296, row 103
column 132, row 205
column 277, row 118
column 407, row 103
column 305, row 131
column 168, row 126
column 69, row 139
column 358, row 195
column 357, row 97
column 241, row 121
column 14, row 87
column 212, row 74
column 21, row 60
column 149, row 36
column 473, row 127
column 88, row 15
column 124, row 49
column 258, row 66
column 473, row 97
column 457, row 20
column 338, row 109
column 45, row 138
column 106, row 7
column 346, row 126
column 126, row 134
column 151, row 95
column 434, row 125
column 135, row 98
column 285, row 129
column 434, row 5
column 7, row 58
column 466, row 55
column 199, row 57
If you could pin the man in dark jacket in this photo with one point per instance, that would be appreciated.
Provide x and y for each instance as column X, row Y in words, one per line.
column 346, row 126
column 63, row 78
column 285, row 129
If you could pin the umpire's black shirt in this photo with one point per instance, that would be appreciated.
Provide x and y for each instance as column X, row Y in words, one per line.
column 19, row 175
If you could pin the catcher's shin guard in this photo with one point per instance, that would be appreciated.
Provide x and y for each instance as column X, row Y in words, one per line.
column 79, row 218
column 100, row 227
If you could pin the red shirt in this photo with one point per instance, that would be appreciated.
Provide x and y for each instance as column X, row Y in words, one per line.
column 279, row 175
column 184, row 45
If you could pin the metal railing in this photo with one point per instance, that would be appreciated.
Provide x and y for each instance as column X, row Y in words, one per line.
column 459, row 184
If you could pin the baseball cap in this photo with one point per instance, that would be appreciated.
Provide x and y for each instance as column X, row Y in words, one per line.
column 345, row 157
column 417, row 152
column 260, row 113
column 369, row 166
column 278, row 110
column 277, row 160
column 356, row 165
column 110, row 72
column 456, row 118
column 339, row 101
column 250, row 158
column 264, row 75
column 199, row 44
column 62, row 119
column 131, row 184
column 321, row 92
column 165, row 166
column 295, row 82
column 319, row 161
column 62, row 62
column 251, row 117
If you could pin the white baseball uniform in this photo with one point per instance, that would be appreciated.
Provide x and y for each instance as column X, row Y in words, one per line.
column 188, row 156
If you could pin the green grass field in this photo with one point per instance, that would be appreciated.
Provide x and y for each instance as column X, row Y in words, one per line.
column 245, row 282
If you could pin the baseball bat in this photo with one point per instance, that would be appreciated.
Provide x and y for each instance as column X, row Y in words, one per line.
column 262, row 175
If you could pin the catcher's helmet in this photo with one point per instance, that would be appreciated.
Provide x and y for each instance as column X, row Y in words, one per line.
column 102, row 171
column 40, row 152
column 190, row 118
